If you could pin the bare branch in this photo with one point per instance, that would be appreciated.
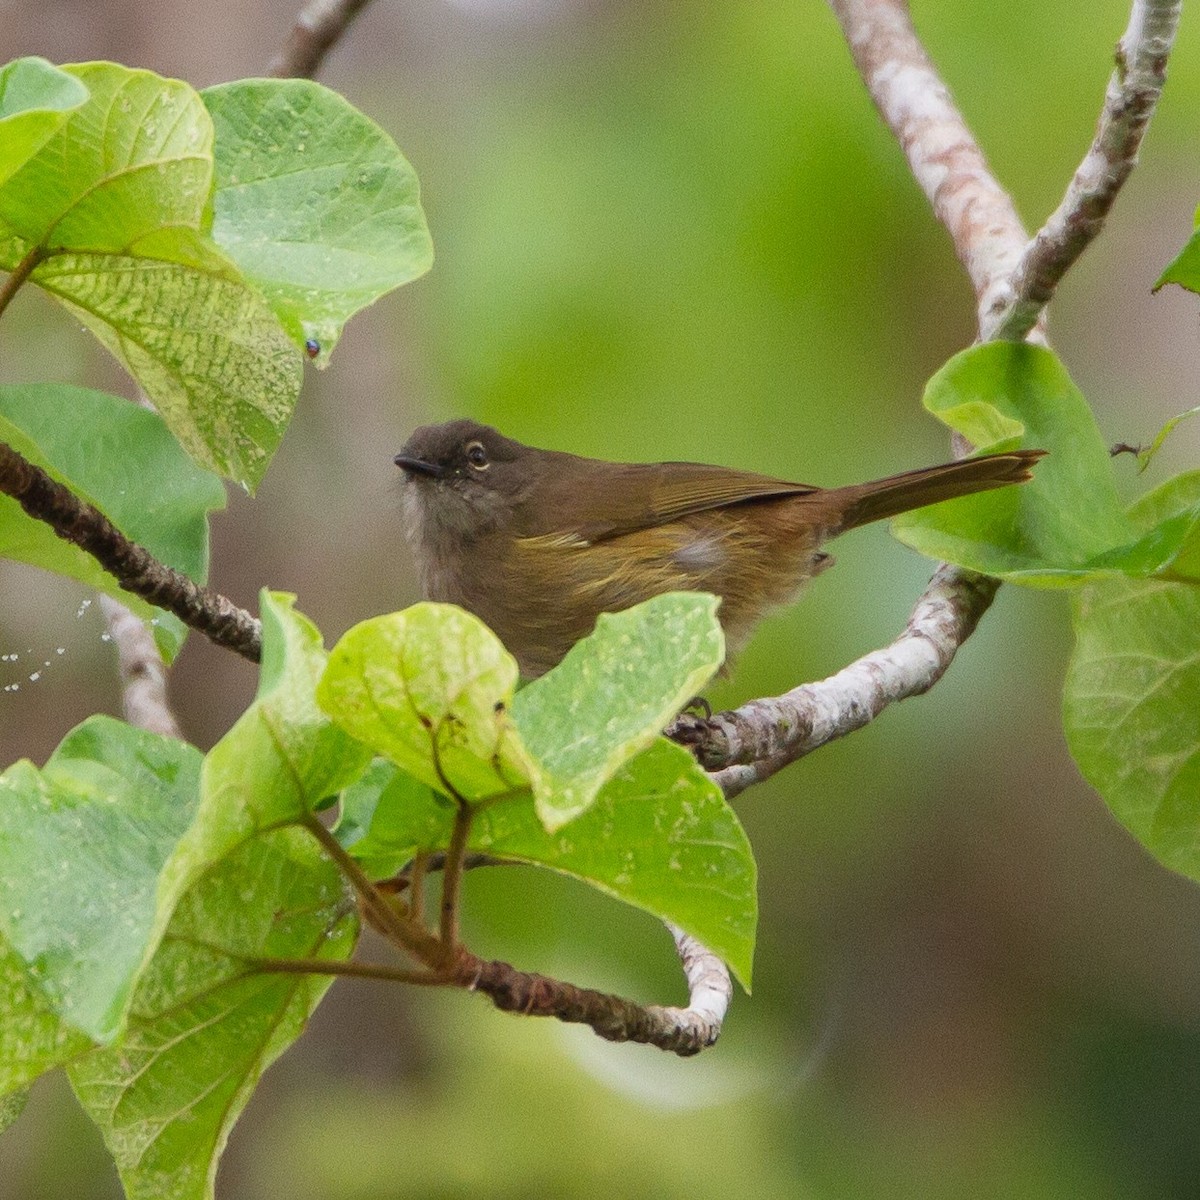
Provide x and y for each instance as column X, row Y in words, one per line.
column 761, row 737
column 319, row 25
column 753, row 742
column 943, row 155
column 143, row 672
column 683, row 1031
column 133, row 566
column 1133, row 92
column 710, row 989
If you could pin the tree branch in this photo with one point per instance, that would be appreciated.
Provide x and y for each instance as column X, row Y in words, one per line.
column 445, row 962
column 318, row 27
column 753, row 742
column 18, row 275
column 143, row 673
column 133, row 566
column 1133, row 92
column 683, row 1031
column 758, row 739
column 943, row 155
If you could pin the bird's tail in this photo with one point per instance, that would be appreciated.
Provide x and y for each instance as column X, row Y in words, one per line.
column 883, row 498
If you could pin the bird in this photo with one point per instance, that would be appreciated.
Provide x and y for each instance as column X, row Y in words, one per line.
column 538, row 543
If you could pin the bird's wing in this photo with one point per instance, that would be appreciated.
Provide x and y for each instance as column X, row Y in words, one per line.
column 642, row 496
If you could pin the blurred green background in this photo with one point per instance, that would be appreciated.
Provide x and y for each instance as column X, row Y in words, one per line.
column 674, row 229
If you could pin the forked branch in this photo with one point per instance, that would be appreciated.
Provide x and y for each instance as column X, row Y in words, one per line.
column 1013, row 279
column 442, row 961
column 1133, row 93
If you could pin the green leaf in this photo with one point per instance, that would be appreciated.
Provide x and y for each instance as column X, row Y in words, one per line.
column 205, row 1020
column 35, row 99
column 386, row 816
column 284, row 756
column 203, row 345
column 314, row 202
column 134, row 158
column 82, row 843
column 1175, row 503
column 659, row 835
column 430, row 689
column 612, row 694
column 1185, row 269
column 33, row 1038
column 1144, row 457
column 118, row 202
column 1049, row 531
column 121, row 458
column 1130, row 708
column 204, row 1024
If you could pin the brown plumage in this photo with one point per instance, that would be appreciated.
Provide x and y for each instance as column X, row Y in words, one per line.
column 538, row 543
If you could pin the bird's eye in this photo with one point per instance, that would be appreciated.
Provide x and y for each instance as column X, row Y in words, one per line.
column 477, row 455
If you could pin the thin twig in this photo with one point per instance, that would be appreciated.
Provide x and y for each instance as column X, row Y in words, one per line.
column 435, row 860
column 18, row 275
column 357, row 970
column 452, row 875
column 143, row 673
column 133, row 566
column 681, row 1031
column 1133, row 92
column 416, row 886
column 318, row 27
column 405, row 933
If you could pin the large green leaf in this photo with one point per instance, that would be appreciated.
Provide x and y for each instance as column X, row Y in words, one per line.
column 282, row 757
column 35, row 99
column 133, row 159
column 204, row 1022
column 612, row 694
column 82, row 845
column 659, row 835
column 204, row 1025
column 121, row 458
column 387, row 815
column 33, row 1037
column 430, row 689
column 314, row 202
column 117, row 203
column 1130, row 706
column 1050, row 531
column 203, row 345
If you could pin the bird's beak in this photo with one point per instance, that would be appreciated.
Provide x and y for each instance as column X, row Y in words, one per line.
column 418, row 466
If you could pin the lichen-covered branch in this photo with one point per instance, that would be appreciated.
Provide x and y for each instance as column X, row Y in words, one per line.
column 1133, row 92
column 318, row 26
column 1012, row 278
column 758, row 739
column 133, row 566
column 143, row 672
column 750, row 744
column 943, row 155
